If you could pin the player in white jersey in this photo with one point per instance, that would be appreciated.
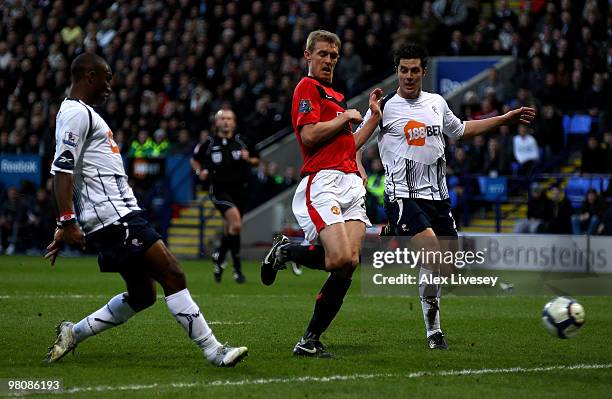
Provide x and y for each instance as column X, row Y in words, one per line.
column 411, row 145
column 98, row 212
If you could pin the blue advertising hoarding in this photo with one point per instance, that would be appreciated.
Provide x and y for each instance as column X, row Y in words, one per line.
column 452, row 72
column 15, row 168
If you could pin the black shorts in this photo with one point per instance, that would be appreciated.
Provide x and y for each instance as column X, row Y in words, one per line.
column 408, row 217
column 122, row 244
column 225, row 199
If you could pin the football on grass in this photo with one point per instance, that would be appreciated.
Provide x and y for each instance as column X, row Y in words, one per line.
column 563, row 317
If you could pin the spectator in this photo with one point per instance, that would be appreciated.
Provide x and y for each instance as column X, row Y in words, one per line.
column 274, row 180
column 457, row 46
column 494, row 161
column 493, row 81
column 450, row 13
column 160, row 145
column 72, row 32
column 142, row 146
column 487, row 110
column 290, row 177
column 591, row 212
column 40, row 221
column 504, row 14
column 458, row 165
column 593, row 157
column 561, row 213
column 539, row 210
column 470, row 105
column 477, row 154
column 350, row 69
column 550, row 131
column 12, row 212
column 184, row 145
column 607, row 149
column 526, row 151
column 5, row 146
column 375, row 193
column 605, row 227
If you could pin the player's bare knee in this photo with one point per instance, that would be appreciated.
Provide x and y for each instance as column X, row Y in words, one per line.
column 174, row 277
column 429, row 244
column 336, row 261
column 235, row 227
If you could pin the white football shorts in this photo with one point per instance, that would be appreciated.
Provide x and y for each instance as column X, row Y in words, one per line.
column 328, row 197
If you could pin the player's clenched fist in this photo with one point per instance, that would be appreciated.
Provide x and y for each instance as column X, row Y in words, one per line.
column 352, row 116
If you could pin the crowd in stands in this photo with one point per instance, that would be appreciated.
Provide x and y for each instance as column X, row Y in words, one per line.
column 552, row 212
column 27, row 219
column 177, row 61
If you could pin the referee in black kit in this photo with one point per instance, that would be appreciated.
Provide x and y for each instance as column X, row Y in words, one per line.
column 225, row 159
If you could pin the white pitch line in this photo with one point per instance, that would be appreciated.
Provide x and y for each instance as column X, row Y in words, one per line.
column 349, row 377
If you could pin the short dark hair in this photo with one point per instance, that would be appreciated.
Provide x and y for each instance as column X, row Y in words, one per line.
column 411, row 51
column 85, row 63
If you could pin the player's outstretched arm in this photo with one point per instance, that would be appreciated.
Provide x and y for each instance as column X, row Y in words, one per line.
column 524, row 115
column 363, row 134
column 70, row 233
column 316, row 133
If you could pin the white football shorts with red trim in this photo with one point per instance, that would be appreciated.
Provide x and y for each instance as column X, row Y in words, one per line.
column 328, row 197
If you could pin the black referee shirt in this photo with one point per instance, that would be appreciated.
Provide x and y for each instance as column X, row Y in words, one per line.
column 222, row 158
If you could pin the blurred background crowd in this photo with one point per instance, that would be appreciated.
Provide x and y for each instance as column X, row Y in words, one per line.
column 177, row 61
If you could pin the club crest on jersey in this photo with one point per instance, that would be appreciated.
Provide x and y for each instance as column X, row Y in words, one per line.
column 70, row 139
column 236, row 154
column 416, row 132
column 335, row 210
column 216, row 157
column 305, row 107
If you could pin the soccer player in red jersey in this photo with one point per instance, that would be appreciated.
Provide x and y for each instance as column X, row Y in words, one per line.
column 329, row 201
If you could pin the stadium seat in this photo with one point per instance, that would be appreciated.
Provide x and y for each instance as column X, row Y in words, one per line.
column 577, row 187
column 493, row 189
column 576, row 124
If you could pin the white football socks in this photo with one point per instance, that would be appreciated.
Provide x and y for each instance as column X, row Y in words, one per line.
column 430, row 302
column 117, row 311
column 187, row 313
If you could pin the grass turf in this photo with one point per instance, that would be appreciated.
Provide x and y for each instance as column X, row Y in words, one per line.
column 379, row 341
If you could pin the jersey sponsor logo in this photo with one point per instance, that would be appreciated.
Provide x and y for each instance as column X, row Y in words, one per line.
column 216, row 157
column 335, row 210
column 65, row 161
column 70, row 139
column 111, row 141
column 305, row 107
column 416, row 132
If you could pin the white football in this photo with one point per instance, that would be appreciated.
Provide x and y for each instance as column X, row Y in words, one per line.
column 563, row 317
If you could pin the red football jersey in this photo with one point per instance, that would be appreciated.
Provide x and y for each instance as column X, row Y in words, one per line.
column 314, row 101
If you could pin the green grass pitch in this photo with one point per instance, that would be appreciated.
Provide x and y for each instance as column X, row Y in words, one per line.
column 498, row 347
